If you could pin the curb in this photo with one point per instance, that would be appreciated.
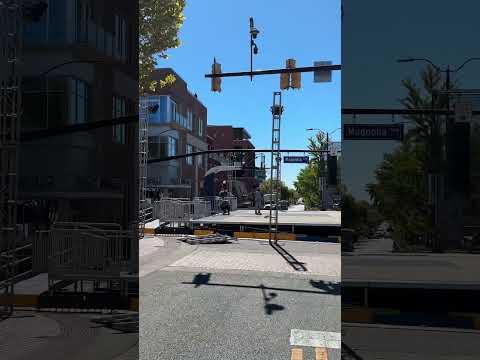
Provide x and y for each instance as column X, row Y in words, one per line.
column 31, row 301
column 364, row 315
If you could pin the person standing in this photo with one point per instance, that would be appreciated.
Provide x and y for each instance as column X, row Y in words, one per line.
column 258, row 202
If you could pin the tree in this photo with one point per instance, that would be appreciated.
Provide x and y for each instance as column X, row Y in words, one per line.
column 308, row 179
column 265, row 188
column 400, row 188
column 159, row 23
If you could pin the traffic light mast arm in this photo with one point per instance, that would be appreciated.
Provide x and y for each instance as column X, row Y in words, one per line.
column 198, row 153
column 277, row 71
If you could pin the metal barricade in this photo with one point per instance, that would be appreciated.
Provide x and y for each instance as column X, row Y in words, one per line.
column 79, row 251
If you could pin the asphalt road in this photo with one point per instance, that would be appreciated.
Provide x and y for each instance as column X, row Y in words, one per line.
column 217, row 302
column 375, row 342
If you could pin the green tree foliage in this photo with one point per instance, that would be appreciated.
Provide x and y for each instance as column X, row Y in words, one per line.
column 159, row 23
column 265, row 188
column 307, row 184
column 359, row 215
column 400, row 188
column 400, row 191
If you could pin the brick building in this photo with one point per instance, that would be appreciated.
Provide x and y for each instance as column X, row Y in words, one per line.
column 178, row 126
column 229, row 137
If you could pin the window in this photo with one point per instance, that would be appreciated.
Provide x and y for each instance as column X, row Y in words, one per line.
column 79, row 101
column 189, row 150
column 120, row 37
column 119, row 110
column 200, row 126
column 172, row 146
column 189, row 119
column 173, row 111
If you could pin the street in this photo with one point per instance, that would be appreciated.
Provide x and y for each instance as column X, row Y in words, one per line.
column 238, row 301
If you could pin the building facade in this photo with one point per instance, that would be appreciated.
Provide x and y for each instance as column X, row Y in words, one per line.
column 177, row 123
column 80, row 65
column 243, row 181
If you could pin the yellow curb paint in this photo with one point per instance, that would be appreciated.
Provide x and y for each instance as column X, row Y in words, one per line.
column 475, row 317
column 263, row 236
column 357, row 315
column 321, row 354
column 21, row 300
column 203, row 232
column 297, row 354
column 134, row 304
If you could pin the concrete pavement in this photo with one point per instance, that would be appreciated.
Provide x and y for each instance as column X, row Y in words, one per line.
column 239, row 301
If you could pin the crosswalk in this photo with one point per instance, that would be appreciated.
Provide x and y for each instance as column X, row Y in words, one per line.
column 321, row 341
column 320, row 354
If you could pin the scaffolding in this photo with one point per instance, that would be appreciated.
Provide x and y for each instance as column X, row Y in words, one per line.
column 10, row 103
column 142, row 178
column 275, row 174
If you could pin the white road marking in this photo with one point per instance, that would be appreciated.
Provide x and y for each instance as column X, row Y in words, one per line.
column 325, row 339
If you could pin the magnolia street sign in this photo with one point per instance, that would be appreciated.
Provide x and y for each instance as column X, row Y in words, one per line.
column 296, row 159
column 373, row 132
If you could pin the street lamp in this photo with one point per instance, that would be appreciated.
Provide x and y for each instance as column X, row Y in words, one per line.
column 253, row 47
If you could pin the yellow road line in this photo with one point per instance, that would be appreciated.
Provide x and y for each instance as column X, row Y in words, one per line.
column 297, row 354
column 260, row 235
column 321, row 354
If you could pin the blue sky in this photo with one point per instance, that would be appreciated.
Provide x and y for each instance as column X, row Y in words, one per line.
column 307, row 33
column 445, row 34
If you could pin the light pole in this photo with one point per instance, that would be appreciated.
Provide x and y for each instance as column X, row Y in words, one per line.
column 253, row 47
column 435, row 151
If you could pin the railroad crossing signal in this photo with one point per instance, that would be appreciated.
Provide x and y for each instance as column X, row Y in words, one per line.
column 216, row 81
column 290, row 80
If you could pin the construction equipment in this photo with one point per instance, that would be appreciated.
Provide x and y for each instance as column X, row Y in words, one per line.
column 275, row 174
column 10, row 105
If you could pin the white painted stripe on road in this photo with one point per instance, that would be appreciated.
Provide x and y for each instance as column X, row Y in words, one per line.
column 310, row 338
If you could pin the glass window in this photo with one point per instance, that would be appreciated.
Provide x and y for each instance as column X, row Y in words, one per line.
column 173, row 111
column 79, row 101
column 200, row 126
column 189, row 150
column 172, row 146
column 119, row 110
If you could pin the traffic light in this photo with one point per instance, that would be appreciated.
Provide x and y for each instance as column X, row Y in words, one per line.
column 284, row 81
column 290, row 80
column 295, row 80
column 216, row 81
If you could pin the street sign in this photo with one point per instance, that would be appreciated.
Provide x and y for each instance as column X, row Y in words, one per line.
column 296, row 159
column 463, row 112
column 322, row 75
column 373, row 132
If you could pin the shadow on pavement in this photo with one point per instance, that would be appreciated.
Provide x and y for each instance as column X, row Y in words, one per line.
column 289, row 258
column 201, row 279
column 269, row 307
column 327, row 287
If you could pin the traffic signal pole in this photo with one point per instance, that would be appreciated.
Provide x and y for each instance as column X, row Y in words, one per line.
column 276, row 71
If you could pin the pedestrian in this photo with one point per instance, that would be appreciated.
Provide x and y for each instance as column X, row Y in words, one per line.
column 224, row 205
column 258, row 202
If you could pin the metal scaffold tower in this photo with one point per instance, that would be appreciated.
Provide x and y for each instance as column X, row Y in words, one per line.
column 10, row 104
column 142, row 177
column 275, row 174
